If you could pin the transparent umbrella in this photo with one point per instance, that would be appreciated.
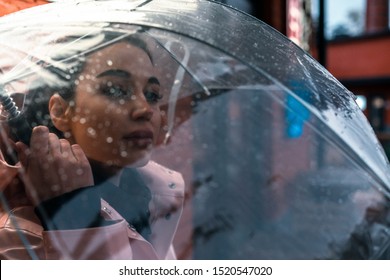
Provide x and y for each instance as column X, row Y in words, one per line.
column 277, row 159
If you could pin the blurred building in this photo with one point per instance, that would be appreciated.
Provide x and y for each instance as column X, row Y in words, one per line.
column 362, row 64
column 357, row 55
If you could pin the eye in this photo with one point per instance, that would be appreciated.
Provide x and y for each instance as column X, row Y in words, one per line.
column 152, row 97
column 116, row 91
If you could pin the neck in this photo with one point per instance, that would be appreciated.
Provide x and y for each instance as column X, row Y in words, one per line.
column 102, row 172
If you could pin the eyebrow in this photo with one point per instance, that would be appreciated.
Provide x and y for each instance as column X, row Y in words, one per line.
column 115, row 72
column 124, row 74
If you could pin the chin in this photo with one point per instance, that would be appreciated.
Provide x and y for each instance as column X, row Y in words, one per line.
column 142, row 161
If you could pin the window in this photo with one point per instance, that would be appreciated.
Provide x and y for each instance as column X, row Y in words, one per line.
column 353, row 18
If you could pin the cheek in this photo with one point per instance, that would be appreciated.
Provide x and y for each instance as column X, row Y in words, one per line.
column 96, row 111
column 91, row 121
column 157, row 120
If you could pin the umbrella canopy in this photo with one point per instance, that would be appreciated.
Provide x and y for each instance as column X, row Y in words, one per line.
column 278, row 159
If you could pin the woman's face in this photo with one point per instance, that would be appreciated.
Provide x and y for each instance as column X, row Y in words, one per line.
column 115, row 117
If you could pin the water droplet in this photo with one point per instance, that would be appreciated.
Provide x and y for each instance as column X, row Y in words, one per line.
column 91, row 131
column 64, row 177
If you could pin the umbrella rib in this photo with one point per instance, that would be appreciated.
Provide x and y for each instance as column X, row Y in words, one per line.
column 143, row 4
column 176, row 87
column 189, row 72
column 175, row 91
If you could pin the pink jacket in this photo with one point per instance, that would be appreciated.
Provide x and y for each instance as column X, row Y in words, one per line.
column 22, row 236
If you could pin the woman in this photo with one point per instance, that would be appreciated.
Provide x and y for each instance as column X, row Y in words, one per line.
column 95, row 194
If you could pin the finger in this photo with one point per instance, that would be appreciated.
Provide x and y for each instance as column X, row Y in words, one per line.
column 79, row 153
column 11, row 143
column 54, row 145
column 39, row 140
column 23, row 153
column 66, row 149
column 10, row 152
column 84, row 167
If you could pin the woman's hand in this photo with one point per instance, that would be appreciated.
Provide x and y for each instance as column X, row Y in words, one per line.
column 7, row 174
column 52, row 166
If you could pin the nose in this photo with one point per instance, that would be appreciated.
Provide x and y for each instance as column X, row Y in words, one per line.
column 141, row 109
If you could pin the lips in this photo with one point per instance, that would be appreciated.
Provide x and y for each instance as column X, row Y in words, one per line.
column 141, row 139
